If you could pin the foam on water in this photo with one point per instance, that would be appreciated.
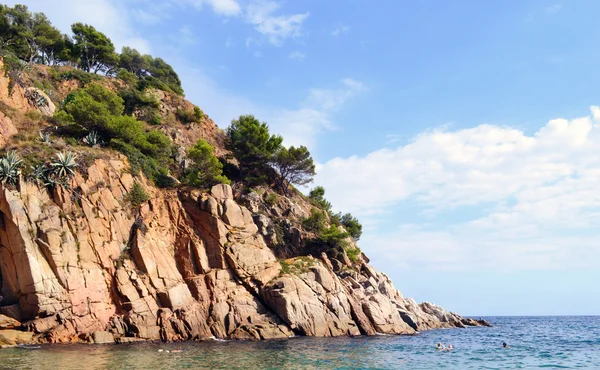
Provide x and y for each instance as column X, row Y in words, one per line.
column 536, row 342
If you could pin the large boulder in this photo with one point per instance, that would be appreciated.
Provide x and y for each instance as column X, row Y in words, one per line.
column 8, row 323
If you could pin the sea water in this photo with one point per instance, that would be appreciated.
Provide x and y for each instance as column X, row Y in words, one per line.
column 535, row 342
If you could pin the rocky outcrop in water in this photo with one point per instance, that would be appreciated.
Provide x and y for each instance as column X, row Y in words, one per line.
column 82, row 264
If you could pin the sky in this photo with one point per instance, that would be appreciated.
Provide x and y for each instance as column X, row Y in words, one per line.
column 465, row 135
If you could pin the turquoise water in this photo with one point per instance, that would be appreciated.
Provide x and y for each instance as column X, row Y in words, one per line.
column 536, row 342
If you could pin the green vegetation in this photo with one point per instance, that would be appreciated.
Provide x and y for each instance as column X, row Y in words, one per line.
column 64, row 164
column 317, row 196
column 10, row 168
column 297, row 265
column 206, row 169
column 97, row 111
column 27, row 38
column 94, row 50
column 352, row 225
column 137, row 195
column 271, row 198
column 251, row 143
column 295, row 166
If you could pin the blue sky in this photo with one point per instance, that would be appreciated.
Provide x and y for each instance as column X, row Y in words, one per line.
column 464, row 134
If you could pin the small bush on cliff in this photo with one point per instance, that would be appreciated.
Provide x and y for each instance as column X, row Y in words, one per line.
column 206, row 170
column 353, row 254
column 352, row 225
column 185, row 116
column 137, row 195
column 315, row 222
column 317, row 196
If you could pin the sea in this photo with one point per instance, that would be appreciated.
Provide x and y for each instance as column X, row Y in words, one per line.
column 535, row 342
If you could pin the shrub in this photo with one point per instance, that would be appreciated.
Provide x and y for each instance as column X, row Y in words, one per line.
column 333, row 236
column 317, row 196
column 271, row 199
column 186, row 116
column 198, row 113
column 206, row 170
column 315, row 222
column 353, row 254
column 352, row 225
column 137, row 195
column 74, row 74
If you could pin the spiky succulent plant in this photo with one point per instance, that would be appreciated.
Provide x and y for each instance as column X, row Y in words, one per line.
column 10, row 168
column 45, row 138
column 92, row 139
column 64, row 164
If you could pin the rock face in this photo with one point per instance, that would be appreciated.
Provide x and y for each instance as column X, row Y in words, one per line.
column 83, row 265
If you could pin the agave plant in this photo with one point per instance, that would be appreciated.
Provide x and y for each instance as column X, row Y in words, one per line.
column 45, row 138
column 64, row 165
column 92, row 139
column 10, row 168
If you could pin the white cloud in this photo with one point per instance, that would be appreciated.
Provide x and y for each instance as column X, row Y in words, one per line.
column 530, row 197
column 276, row 28
column 553, row 9
column 229, row 42
column 229, row 8
column 296, row 55
column 341, row 30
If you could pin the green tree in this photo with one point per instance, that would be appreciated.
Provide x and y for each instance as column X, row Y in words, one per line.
column 295, row 166
column 352, row 225
column 317, row 195
column 132, row 61
column 95, row 50
column 250, row 142
column 206, row 169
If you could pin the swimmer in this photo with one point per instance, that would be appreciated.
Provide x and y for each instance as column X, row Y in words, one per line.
column 439, row 346
column 504, row 345
column 449, row 348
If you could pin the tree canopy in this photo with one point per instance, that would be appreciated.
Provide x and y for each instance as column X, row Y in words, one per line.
column 295, row 166
column 251, row 143
column 95, row 50
column 32, row 38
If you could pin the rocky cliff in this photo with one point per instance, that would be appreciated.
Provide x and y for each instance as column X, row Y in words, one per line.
column 81, row 264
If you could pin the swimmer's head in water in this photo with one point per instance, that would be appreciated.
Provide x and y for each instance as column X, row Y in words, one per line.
column 504, row 344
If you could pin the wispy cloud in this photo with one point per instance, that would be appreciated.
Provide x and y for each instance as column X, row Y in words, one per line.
column 186, row 35
column 340, row 31
column 228, row 8
column 553, row 9
column 296, row 55
column 277, row 28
